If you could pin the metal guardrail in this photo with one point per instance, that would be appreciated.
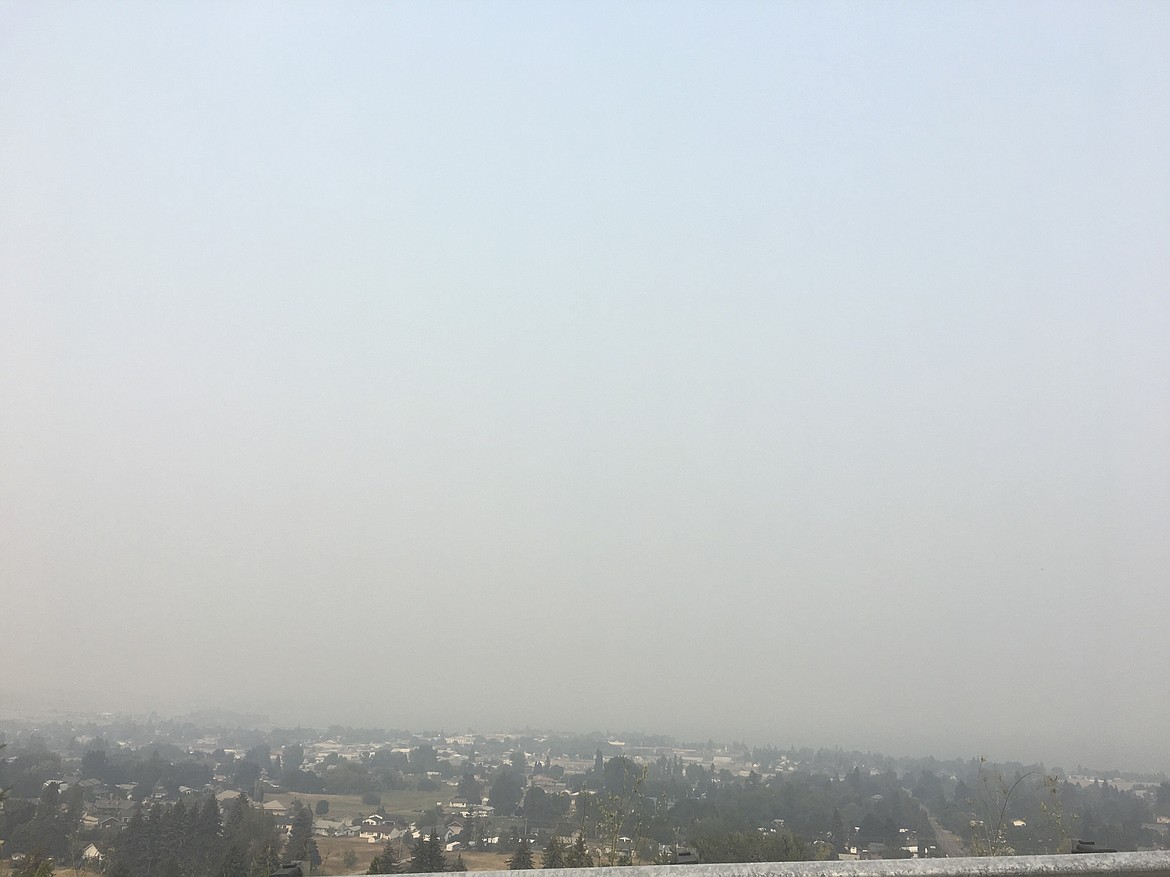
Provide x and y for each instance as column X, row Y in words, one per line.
column 1144, row 864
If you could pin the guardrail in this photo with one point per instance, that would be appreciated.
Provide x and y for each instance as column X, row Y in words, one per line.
column 1144, row 864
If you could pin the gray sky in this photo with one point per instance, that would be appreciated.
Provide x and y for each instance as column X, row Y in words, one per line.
column 790, row 372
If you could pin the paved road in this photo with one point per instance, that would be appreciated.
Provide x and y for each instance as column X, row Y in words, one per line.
column 948, row 841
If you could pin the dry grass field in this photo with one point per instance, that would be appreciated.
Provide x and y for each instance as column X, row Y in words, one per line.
column 402, row 802
column 333, row 851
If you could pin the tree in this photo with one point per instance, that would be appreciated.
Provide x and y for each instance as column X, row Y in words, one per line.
column 234, row 863
column 35, row 866
column 470, row 788
column 522, row 859
column 751, row 846
column 423, row 758
column 477, row 830
column 578, row 855
column 621, row 776
column 247, row 775
column 322, row 808
column 459, row 864
column 506, row 792
column 265, row 861
column 299, row 836
column 427, row 856
column 206, row 840
column 293, row 757
column 349, row 860
column 554, row 854
column 839, row 832
column 95, row 765
column 386, row 863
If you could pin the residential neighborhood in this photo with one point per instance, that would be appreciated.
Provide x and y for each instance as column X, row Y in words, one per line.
column 345, row 800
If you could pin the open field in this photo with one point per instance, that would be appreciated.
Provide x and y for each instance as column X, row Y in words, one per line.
column 333, row 849
column 484, row 861
column 407, row 803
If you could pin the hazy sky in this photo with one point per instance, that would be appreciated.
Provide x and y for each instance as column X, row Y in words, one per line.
column 790, row 372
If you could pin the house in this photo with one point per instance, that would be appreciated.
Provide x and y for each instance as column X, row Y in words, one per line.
column 92, row 855
column 381, row 833
column 334, row 828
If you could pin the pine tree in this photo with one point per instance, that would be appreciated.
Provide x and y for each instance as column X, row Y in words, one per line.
column 131, row 853
column 554, row 855
column 386, row 863
column 265, row 860
column 578, row 855
column 436, row 857
column 522, row 859
column 234, row 863
column 418, row 856
column 153, row 841
column 299, row 837
column 206, row 838
column 427, row 856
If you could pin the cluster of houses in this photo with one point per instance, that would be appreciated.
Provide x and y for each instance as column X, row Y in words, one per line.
column 111, row 807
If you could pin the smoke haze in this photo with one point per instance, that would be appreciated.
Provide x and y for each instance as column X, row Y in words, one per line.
column 789, row 373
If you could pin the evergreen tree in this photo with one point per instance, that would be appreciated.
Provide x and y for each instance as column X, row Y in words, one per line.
column 206, row 841
column 459, row 865
column 130, row 852
column 386, row 863
column 437, row 857
column 153, row 842
column 235, row 814
column 35, row 866
column 427, row 856
column 234, row 863
column 172, row 843
column 522, row 859
column 265, row 859
column 470, row 787
column 300, row 837
column 578, row 855
column 554, row 854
